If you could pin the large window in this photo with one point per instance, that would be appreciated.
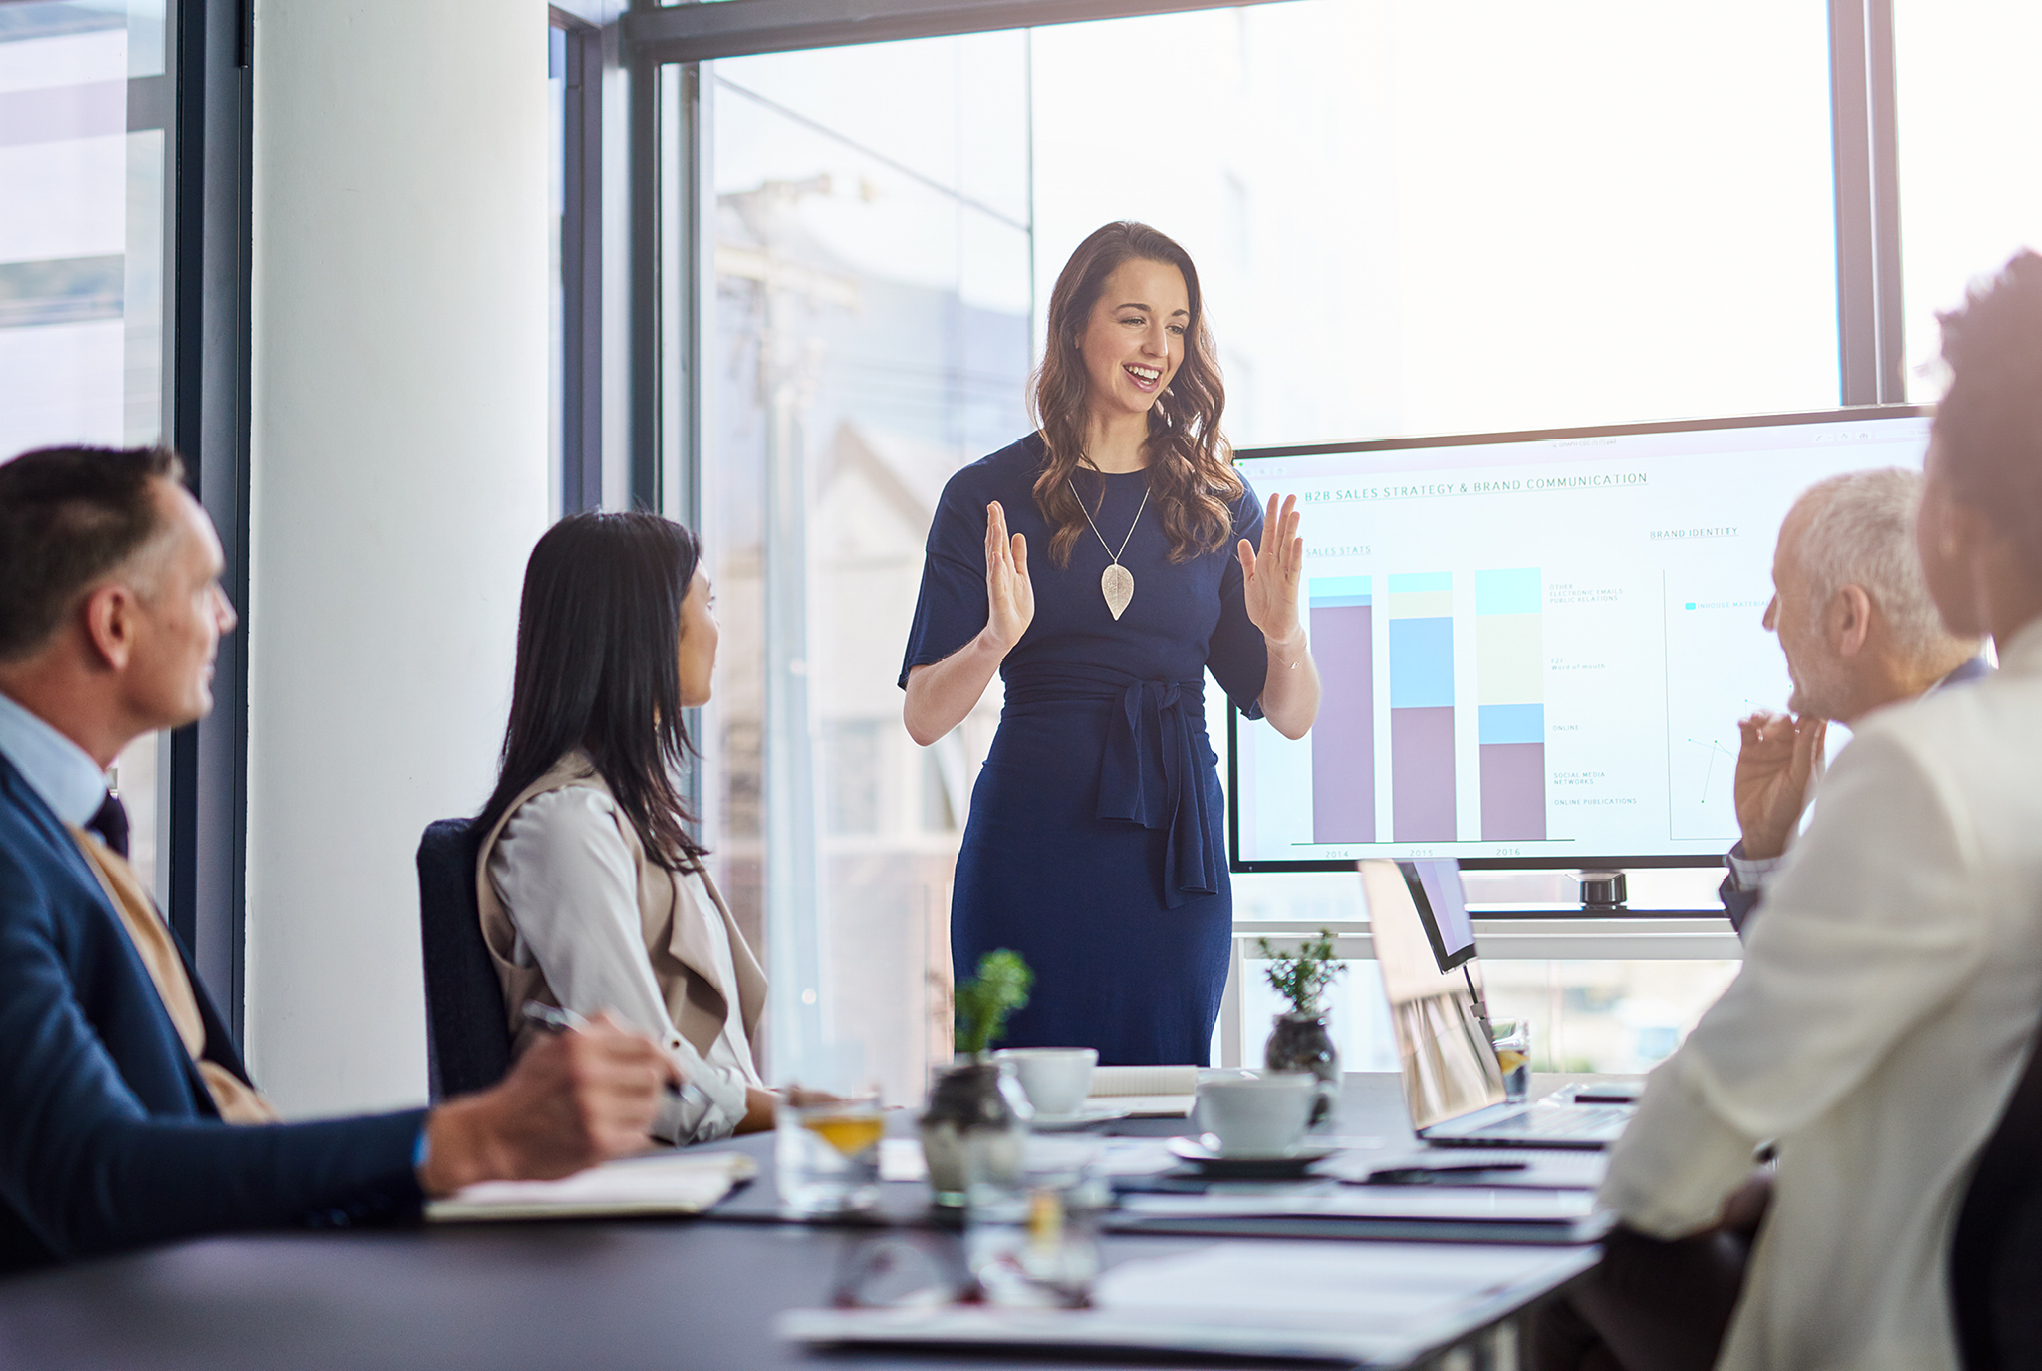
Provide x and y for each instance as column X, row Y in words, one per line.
column 1969, row 125
column 1467, row 218
column 1485, row 218
column 870, row 336
column 84, row 146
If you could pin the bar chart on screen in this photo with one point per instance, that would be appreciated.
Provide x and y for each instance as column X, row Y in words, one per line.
column 1531, row 651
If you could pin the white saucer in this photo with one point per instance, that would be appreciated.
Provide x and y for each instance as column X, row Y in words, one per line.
column 1258, row 1164
column 1083, row 1118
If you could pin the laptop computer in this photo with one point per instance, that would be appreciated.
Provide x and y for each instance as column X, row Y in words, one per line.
column 1453, row 1084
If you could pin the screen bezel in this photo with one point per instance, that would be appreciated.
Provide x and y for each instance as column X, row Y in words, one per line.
column 1428, row 918
column 1572, row 862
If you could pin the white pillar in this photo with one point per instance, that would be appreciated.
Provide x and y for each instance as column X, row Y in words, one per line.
column 398, row 483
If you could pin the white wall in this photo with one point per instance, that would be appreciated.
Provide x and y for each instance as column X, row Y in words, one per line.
column 399, row 480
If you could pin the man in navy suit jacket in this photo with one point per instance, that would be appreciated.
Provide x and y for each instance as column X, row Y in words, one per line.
column 111, row 1132
column 1859, row 632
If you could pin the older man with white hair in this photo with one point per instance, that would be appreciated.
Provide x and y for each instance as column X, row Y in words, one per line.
column 1859, row 631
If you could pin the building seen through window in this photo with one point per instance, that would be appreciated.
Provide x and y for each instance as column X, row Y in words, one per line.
column 85, row 113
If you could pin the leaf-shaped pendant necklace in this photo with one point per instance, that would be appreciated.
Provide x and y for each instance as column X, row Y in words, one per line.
column 1116, row 583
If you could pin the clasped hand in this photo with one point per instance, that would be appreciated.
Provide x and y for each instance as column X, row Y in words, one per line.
column 573, row 1099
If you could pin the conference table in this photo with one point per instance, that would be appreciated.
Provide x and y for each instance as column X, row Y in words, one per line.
column 589, row 1296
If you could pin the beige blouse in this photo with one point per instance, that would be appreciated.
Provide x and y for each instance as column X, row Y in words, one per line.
column 575, row 915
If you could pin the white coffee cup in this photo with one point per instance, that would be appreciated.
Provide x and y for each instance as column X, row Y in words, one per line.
column 1055, row 1079
column 1256, row 1114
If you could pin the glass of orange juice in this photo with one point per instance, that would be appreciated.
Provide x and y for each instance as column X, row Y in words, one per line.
column 826, row 1152
column 1512, row 1039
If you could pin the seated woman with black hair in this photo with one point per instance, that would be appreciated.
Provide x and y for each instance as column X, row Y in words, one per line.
column 593, row 893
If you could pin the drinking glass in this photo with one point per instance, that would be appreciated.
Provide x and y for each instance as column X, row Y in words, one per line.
column 1512, row 1038
column 826, row 1151
column 1032, row 1239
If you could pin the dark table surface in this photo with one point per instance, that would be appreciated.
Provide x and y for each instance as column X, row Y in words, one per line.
column 625, row 1295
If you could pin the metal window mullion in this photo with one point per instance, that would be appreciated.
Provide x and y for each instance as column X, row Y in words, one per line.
column 209, row 330
column 644, row 149
column 1870, row 326
column 581, row 266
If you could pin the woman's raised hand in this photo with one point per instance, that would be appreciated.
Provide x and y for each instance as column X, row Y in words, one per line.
column 1271, row 576
column 1010, row 598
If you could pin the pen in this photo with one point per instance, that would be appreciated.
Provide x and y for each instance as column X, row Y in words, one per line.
column 553, row 1019
column 1438, row 1175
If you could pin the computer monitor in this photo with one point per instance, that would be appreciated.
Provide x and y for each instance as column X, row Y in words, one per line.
column 1535, row 647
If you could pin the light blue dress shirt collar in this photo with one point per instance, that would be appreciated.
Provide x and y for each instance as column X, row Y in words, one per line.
column 56, row 768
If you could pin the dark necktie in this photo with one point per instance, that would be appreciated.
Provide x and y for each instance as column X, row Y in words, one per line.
column 111, row 824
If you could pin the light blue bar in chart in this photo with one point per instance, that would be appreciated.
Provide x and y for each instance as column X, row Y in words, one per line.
column 1507, row 592
column 1421, row 663
column 1512, row 723
column 1333, row 592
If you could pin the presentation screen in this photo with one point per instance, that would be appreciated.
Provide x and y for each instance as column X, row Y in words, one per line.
column 1535, row 647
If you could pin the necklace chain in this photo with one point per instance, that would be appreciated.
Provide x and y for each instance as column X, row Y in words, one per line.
column 1102, row 506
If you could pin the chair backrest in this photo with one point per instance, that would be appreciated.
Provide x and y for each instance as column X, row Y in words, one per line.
column 467, row 1033
column 1996, row 1249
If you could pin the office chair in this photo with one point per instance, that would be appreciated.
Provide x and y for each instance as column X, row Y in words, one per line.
column 467, row 1037
column 1996, row 1250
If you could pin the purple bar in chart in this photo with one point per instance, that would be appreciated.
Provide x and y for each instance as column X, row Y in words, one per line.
column 1423, row 796
column 1422, row 774
column 1513, row 790
column 1344, row 738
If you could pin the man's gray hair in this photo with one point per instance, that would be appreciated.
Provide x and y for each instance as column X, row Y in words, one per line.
column 1860, row 532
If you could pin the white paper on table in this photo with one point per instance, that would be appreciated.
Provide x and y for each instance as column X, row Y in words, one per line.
column 667, row 1183
column 1366, row 1302
column 1134, row 1157
column 1447, row 1204
column 1387, row 1287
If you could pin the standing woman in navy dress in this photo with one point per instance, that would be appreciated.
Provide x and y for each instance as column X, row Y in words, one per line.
column 1101, row 565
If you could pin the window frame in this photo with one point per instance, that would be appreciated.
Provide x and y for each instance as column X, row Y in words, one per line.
column 581, row 265
column 207, row 355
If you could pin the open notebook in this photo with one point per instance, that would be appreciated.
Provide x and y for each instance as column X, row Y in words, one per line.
column 663, row 1183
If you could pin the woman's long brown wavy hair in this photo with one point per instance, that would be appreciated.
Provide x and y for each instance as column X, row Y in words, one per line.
column 1191, row 475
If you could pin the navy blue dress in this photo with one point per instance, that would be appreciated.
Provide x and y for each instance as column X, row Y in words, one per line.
column 1094, row 846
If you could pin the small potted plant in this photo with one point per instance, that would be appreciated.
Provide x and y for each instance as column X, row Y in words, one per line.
column 1298, row 1039
column 976, row 1112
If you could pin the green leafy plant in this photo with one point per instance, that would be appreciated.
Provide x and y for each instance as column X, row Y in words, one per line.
column 985, row 1001
column 1302, row 977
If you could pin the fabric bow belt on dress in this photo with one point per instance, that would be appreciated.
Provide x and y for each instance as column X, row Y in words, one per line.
column 1152, row 775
